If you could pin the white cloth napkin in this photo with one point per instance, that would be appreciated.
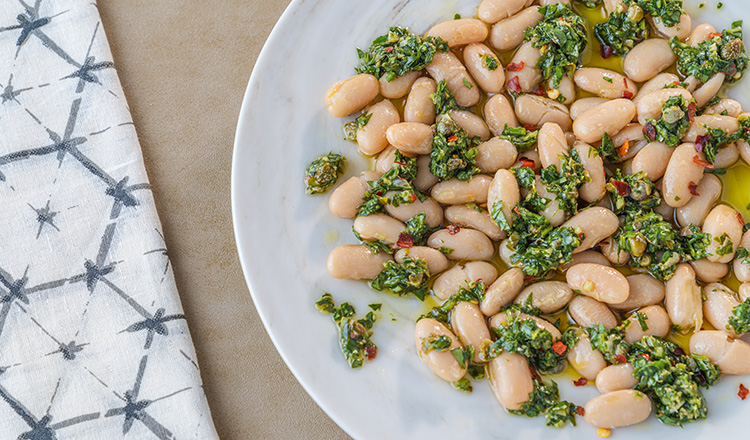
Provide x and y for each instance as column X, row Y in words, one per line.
column 93, row 342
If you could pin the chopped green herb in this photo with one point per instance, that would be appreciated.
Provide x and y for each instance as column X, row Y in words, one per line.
column 323, row 172
column 521, row 137
column 724, row 53
column 467, row 84
column 463, row 384
column 417, row 228
column 740, row 319
column 453, row 153
column 667, row 11
column 642, row 318
column 354, row 335
column 350, row 128
column 545, row 399
column 473, row 292
column 610, row 342
column 436, row 343
column 725, row 244
column 623, row 30
column 463, row 355
column 742, row 254
column 411, row 276
column 677, row 114
column 714, row 139
column 446, row 250
column 475, row 207
column 608, row 150
column 376, row 246
column 476, row 371
column 565, row 182
column 490, row 62
column 398, row 52
column 719, row 5
column 523, row 336
column 399, row 179
column 375, row 307
column 608, row 79
column 701, row 5
column 443, row 99
column 496, row 213
column 457, row 17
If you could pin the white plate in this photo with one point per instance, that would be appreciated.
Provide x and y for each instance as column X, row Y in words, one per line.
column 284, row 238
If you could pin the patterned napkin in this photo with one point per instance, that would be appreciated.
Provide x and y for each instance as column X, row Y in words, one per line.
column 93, row 341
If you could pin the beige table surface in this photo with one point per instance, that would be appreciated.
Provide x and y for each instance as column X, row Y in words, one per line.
column 184, row 65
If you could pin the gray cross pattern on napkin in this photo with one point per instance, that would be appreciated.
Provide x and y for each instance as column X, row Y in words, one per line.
column 93, row 341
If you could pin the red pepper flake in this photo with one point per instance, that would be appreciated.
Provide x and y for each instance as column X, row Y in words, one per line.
column 405, row 240
column 742, row 393
column 527, row 278
column 453, row 228
column 623, row 150
column 606, row 51
column 625, row 82
column 740, row 219
column 389, row 49
column 399, row 163
column 371, row 352
column 679, row 351
column 581, row 411
column 453, row 138
column 645, row 356
column 540, row 91
column 559, row 347
column 649, row 131
column 515, row 67
column 620, row 359
column 413, row 197
column 700, row 141
column 731, row 70
column 534, row 373
column 514, row 86
column 530, row 127
column 627, row 94
column 692, row 108
column 623, row 189
column 715, row 34
column 516, row 210
column 528, row 163
column 582, row 381
column 702, row 162
column 693, row 187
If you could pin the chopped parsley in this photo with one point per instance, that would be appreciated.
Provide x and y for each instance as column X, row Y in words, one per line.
column 545, row 399
column 446, row 250
column 418, row 229
column 490, row 62
column 725, row 244
column 642, row 318
column 742, row 254
column 436, row 343
column 411, row 276
column 463, row 384
column 521, row 137
column 350, row 128
column 724, row 52
column 453, row 153
column 523, row 336
column 398, row 178
column 623, row 30
column 714, row 139
column 398, row 52
column 609, row 151
column 354, row 334
column 561, row 37
column 323, row 172
column 443, row 99
column 677, row 114
column 498, row 217
column 467, row 84
column 376, row 246
column 740, row 319
column 669, row 11
column 565, row 182
column 473, row 292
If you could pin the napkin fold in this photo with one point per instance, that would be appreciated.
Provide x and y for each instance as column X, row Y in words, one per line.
column 93, row 340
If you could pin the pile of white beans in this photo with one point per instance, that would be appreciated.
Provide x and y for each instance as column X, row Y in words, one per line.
column 620, row 107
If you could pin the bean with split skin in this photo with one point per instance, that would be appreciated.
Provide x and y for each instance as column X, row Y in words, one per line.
column 522, row 75
column 502, row 319
column 592, row 190
column 475, row 56
column 719, row 221
column 470, row 326
column 379, row 227
column 603, row 283
column 649, row 106
column 371, row 138
column 449, row 281
column 633, row 135
column 605, row 83
column 504, row 190
column 596, row 223
column 616, row 377
column 647, row 59
column 609, row 117
column 683, row 298
column 538, row 110
column 446, row 66
column 495, row 154
column 588, row 312
column 355, row 262
column 498, row 112
column 548, row 296
column 473, row 124
column 656, row 83
column 551, row 144
column 410, row 138
column 617, row 409
column 436, row 261
column 475, row 218
column 681, row 174
column 695, row 211
column 442, row 363
column 458, row 192
column 346, row 197
column 510, row 379
column 718, row 305
column 709, row 272
column 467, row 244
column 350, row 95
column 656, row 321
column 583, row 105
column 652, row 159
column 398, row 87
column 507, row 33
column 741, row 266
column 419, row 106
column 587, row 361
column 732, row 356
column 500, row 293
column 460, row 32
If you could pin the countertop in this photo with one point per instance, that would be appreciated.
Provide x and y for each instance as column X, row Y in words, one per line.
column 184, row 66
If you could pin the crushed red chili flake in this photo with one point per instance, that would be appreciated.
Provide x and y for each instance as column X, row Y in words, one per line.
column 715, row 34
column 527, row 278
column 453, row 138
column 623, row 150
column 732, row 70
column 742, row 393
column 623, row 189
column 581, row 411
column 620, row 359
column 405, row 240
column 371, row 352
column 389, row 49
column 702, row 162
column 692, row 108
column 515, row 67
column 582, row 381
column 534, row 373
column 679, row 351
column 559, row 347
column 693, row 187
column 530, row 127
column 514, row 86
column 606, row 51
column 528, row 163
column 700, row 141
column 645, row 356
column 413, row 197
column 649, row 131
column 740, row 219
column 453, row 228
column 627, row 94
column 540, row 91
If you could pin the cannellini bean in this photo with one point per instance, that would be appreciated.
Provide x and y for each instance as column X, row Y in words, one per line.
column 656, row 320
column 744, row 150
column 475, row 218
column 351, row 95
column 470, row 326
column 460, row 32
column 379, row 227
column 732, row 107
column 645, row 290
column 727, row 156
column 425, row 179
column 510, row 379
column 656, row 83
column 491, row 11
column 708, row 90
column 722, row 220
column 433, row 212
column 582, row 105
column 718, row 305
column 587, row 361
column 566, row 89
column 371, row 138
column 633, row 134
column 696, row 210
column 744, row 291
column 709, row 272
column 524, row 68
column 683, row 298
column 355, row 262
column 528, row 159
column 398, row 87
column 649, row 106
column 647, row 59
column 698, row 127
column 346, row 197
column 588, row 312
column 552, row 211
column 502, row 319
column 549, row 296
column 605, row 83
column 740, row 266
column 652, row 160
column 618, row 408
column 594, row 189
column 551, row 144
column 449, row 282
column 553, row 2
column 495, row 154
column 596, row 223
column 537, row 110
column 612, row 5
column 500, row 293
column 498, row 112
column 507, row 34
column 436, row 261
column 732, row 356
column 602, row 283
column 616, row 377
column 504, row 190
column 410, row 138
column 682, row 169
column 700, row 34
column 458, row 192
column 681, row 30
column 663, row 209
column 419, row 106
column 610, row 248
column 442, row 363
column 491, row 81
column 505, row 253
column 473, row 124
column 385, row 159
column 589, row 256
column 609, row 117
column 467, row 244
column 446, row 66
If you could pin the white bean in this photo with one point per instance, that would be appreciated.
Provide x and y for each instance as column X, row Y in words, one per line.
column 495, row 154
column 467, row 244
column 681, row 174
column 596, row 223
column 656, row 321
column 603, row 283
column 398, row 87
column 371, row 138
column 436, row 261
column 419, row 106
column 582, row 105
column 460, row 32
column 727, row 156
column 609, row 117
column 470, row 326
column 507, row 34
column 491, row 81
column 458, row 192
column 618, row 408
column 502, row 291
column 696, row 210
column 522, row 70
column 498, row 112
column 551, row 144
column 732, row 107
column 425, row 179
column 652, row 159
column 379, row 227
column 616, row 377
column 719, row 221
column 592, row 190
column 537, row 110
column 645, row 290
column 549, row 296
column 698, row 127
column 504, row 190
column 351, row 95
column 442, row 363
column 433, row 212
column 410, row 138
column 683, row 299
column 589, row 256
column 492, row 11
column 588, row 312
column 587, row 361
column 446, row 66
column 502, row 319
column 449, row 282
column 346, row 197
column 510, row 379
column 649, row 106
column 700, row 34
column 681, row 30
column 656, row 83
column 709, row 272
column 355, row 262
column 473, row 124
column 475, row 218
column 732, row 356
column 647, row 59
column 741, row 266
column 605, row 83
column 552, row 211
column 708, row 90
column 718, row 305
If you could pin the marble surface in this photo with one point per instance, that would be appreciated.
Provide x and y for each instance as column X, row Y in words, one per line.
column 184, row 66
